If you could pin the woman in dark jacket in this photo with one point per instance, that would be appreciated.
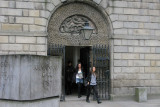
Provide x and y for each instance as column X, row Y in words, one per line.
column 92, row 84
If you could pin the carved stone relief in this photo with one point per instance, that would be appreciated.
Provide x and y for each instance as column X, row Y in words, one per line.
column 75, row 23
column 66, row 22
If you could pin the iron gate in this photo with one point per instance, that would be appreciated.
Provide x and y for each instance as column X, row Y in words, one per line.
column 101, row 61
column 59, row 50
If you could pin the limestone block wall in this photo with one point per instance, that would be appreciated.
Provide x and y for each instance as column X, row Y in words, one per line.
column 135, row 40
column 136, row 46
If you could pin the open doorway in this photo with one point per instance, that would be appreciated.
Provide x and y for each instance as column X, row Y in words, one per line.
column 73, row 55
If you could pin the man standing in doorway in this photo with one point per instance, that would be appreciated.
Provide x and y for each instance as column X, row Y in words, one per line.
column 68, row 77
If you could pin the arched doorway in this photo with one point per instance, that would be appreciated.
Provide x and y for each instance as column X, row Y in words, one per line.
column 65, row 38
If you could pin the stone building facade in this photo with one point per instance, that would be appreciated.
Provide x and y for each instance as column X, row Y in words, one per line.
column 131, row 27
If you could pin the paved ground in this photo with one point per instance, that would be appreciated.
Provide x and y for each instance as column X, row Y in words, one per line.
column 75, row 102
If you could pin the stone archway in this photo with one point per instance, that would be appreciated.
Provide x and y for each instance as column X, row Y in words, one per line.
column 81, row 11
column 66, row 22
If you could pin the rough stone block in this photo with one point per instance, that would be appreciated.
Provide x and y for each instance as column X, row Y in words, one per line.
column 3, row 39
column 130, row 49
column 130, row 56
column 25, row 28
column 41, row 40
column 11, row 27
column 26, row 20
column 25, row 39
column 141, row 56
column 36, row 28
column 13, row 12
column 152, row 43
column 3, row 19
column 152, row 69
column 56, row 2
column 157, row 32
column 155, row 90
column 38, row 48
column 141, row 63
column 42, row 53
column 12, row 39
column 153, row 63
column 130, row 69
column 142, row 49
column 152, row 56
column 141, row 32
column 131, row 24
column 120, row 49
column 12, row 47
column 3, row 3
column 117, row 42
column 158, row 50
column 121, row 31
column 33, row 12
column 12, row 4
column 104, row 3
column 50, row 6
column 131, row 11
column 117, row 56
column 117, row 24
column 44, row 13
column 154, row 12
column 123, row 17
column 130, row 62
column 118, row 10
column 25, row 5
column 40, row 6
column 40, row 21
column 26, row 47
column 141, row 94
column 11, row 19
column 120, row 63
column 117, row 69
column 97, row 1
column 25, row 13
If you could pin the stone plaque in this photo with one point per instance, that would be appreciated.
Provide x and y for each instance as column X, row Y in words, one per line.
column 24, row 77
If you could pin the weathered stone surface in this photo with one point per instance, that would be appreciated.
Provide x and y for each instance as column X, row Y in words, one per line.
column 36, row 28
column 38, row 48
column 20, row 39
column 141, row 94
column 41, row 40
column 12, row 27
column 40, row 21
column 130, row 56
column 53, row 102
column 7, row 11
column 11, row 47
column 25, row 5
column 3, row 39
column 29, row 77
column 28, row 20
column 97, row 1
column 3, row 3
column 12, row 39
column 34, row 13
column 120, row 49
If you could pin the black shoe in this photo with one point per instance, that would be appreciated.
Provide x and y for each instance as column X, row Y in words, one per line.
column 87, row 101
column 79, row 96
column 99, row 102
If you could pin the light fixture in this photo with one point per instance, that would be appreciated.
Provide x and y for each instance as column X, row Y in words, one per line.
column 87, row 31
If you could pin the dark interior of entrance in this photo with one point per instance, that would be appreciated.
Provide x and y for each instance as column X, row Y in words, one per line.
column 77, row 54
